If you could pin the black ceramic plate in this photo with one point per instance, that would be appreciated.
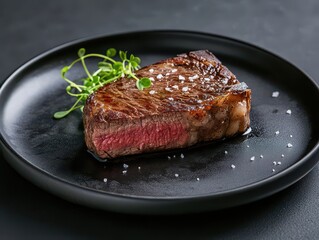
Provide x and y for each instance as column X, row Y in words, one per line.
column 52, row 154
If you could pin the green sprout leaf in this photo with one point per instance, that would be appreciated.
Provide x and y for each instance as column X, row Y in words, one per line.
column 81, row 52
column 123, row 55
column 60, row 114
column 143, row 83
column 105, row 66
column 109, row 70
column 111, row 52
column 64, row 70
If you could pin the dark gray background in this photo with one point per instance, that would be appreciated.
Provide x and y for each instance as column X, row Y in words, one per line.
column 288, row 28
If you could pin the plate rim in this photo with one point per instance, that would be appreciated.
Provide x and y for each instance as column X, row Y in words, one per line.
column 8, row 150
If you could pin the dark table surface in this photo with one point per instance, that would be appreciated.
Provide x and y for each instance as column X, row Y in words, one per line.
column 288, row 28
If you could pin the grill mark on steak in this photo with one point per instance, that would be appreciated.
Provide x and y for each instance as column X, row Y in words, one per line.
column 193, row 98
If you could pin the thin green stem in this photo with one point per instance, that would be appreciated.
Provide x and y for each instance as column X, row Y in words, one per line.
column 85, row 68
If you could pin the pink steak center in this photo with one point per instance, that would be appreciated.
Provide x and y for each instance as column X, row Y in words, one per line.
column 153, row 135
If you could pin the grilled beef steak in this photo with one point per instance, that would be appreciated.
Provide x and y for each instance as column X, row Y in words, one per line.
column 193, row 98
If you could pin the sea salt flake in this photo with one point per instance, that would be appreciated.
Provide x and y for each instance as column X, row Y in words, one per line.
column 274, row 162
column 171, row 99
column 151, row 78
column 252, row 158
column 248, row 146
column 290, row 136
column 139, row 168
column 207, row 79
column 277, row 132
column 124, row 171
column 151, row 70
column 175, row 87
column 225, row 81
column 174, row 70
column 182, row 155
column 176, row 175
column 279, row 163
column 226, row 152
column 159, row 76
column 232, row 166
column 275, row 94
column 168, row 157
column 199, row 101
column 273, row 170
column 197, row 179
column 168, row 89
column 105, row 180
column 261, row 156
column 180, row 77
column 152, row 92
column 282, row 155
column 185, row 89
column 288, row 111
column 289, row 145
column 125, row 165
column 193, row 78
column 247, row 131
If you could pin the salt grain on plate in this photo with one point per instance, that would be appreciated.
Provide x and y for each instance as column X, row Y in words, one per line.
column 252, row 158
column 288, row 111
column 277, row 132
column 139, row 168
column 176, row 175
column 124, row 171
column 197, row 179
column 182, row 155
column 248, row 146
column 226, row 152
column 170, row 98
column 290, row 136
column 274, row 162
column 125, row 165
column 289, row 145
column 273, row 170
column 233, row 166
column 105, row 180
column 261, row 156
column 247, row 131
column 279, row 163
column 282, row 155
column 275, row 94
column 168, row 157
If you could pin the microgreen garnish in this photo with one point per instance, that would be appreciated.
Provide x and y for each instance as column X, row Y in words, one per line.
column 109, row 70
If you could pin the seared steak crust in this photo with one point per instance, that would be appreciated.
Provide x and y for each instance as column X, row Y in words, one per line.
column 193, row 98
